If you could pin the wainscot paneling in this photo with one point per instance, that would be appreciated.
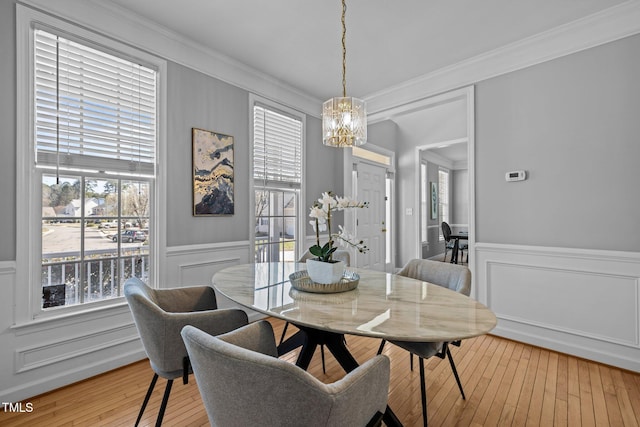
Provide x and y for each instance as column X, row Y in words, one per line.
column 193, row 265
column 42, row 355
column 580, row 302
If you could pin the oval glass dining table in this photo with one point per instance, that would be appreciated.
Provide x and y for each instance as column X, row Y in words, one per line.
column 385, row 306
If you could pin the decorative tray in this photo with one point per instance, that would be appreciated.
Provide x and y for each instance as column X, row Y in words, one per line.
column 301, row 281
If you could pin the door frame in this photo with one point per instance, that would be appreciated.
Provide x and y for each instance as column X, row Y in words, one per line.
column 466, row 93
column 350, row 165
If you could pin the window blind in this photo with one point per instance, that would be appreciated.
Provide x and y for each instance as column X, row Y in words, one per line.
column 93, row 110
column 277, row 148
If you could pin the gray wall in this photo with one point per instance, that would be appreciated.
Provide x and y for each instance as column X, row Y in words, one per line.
column 573, row 124
column 194, row 100
column 197, row 100
column 383, row 134
column 460, row 197
column 8, row 130
column 434, row 246
column 323, row 170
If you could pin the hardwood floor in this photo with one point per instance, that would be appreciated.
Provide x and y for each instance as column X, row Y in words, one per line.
column 506, row 383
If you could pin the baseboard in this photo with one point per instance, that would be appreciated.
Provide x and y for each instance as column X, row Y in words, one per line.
column 27, row 390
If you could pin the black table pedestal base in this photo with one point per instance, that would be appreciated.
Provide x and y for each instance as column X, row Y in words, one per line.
column 309, row 339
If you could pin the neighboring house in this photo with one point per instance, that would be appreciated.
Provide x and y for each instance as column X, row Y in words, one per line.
column 74, row 208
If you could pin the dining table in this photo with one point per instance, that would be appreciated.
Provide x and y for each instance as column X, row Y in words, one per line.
column 382, row 305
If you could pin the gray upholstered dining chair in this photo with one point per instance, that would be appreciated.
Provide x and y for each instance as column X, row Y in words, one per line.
column 160, row 315
column 451, row 276
column 260, row 389
column 338, row 255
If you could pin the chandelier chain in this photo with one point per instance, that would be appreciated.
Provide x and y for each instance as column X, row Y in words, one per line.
column 344, row 49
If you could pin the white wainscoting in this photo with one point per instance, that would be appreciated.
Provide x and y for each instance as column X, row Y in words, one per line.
column 193, row 265
column 42, row 355
column 580, row 302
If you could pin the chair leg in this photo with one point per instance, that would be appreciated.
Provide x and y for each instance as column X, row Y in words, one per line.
column 423, row 392
column 146, row 398
column 165, row 400
column 445, row 254
column 381, row 346
column 455, row 372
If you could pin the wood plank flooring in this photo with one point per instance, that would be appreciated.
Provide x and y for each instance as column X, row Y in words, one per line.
column 506, row 383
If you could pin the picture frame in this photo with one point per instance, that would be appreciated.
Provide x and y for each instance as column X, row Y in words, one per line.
column 213, row 173
column 434, row 200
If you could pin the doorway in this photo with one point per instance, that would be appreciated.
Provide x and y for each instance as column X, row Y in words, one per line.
column 371, row 221
column 371, row 180
column 416, row 127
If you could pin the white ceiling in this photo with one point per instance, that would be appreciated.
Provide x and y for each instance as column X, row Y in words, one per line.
column 388, row 42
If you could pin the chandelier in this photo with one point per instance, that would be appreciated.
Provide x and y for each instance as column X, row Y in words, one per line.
column 344, row 119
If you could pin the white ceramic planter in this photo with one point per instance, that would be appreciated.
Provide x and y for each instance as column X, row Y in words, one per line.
column 325, row 272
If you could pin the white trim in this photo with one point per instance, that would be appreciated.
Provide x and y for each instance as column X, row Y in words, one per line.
column 467, row 94
column 27, row 306
column 121, row 24
column 582, row 302
column 552, row 251
column 603, row 27
column 60, row 378
column 301, row 223
column 206, row 247
column 55, row 351
column 350, row 163
column 7, row 268
column 437, row 159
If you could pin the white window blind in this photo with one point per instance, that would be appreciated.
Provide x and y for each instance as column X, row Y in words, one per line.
column 93, row 110
column 277, row 148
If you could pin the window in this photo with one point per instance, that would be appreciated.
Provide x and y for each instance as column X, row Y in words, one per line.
column 94, row 145
column 277, row 176
column 443, row 198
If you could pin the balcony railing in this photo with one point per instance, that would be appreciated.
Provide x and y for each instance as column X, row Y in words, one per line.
column 68, row 280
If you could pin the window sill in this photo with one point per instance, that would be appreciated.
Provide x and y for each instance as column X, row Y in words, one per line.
column 61, row 319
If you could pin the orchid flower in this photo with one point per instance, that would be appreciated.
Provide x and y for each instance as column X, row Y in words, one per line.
column 320, row 213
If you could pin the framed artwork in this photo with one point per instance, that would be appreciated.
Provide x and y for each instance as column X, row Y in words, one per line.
column 434, row 200
column 212, row 173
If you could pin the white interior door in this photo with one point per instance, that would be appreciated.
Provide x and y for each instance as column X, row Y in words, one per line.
column 370, row 222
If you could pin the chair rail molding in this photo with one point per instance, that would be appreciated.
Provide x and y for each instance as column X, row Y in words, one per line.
column 576, row 301
column 192, row 265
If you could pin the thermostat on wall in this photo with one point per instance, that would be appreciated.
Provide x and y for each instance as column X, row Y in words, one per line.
column 516, row 176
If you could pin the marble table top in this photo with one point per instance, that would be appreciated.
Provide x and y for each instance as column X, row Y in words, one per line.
column 383, row 305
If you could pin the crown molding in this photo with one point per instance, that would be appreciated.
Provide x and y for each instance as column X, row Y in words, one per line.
column 119, row 24
column 603, row 27
column 608, row 25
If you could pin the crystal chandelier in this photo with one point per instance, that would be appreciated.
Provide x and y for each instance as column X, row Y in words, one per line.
column 344, row 119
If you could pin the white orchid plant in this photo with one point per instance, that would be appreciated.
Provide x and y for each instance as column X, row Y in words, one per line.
column 321, row 214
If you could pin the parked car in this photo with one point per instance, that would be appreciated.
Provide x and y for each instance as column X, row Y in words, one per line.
column 108, row 224
column 131, row 236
